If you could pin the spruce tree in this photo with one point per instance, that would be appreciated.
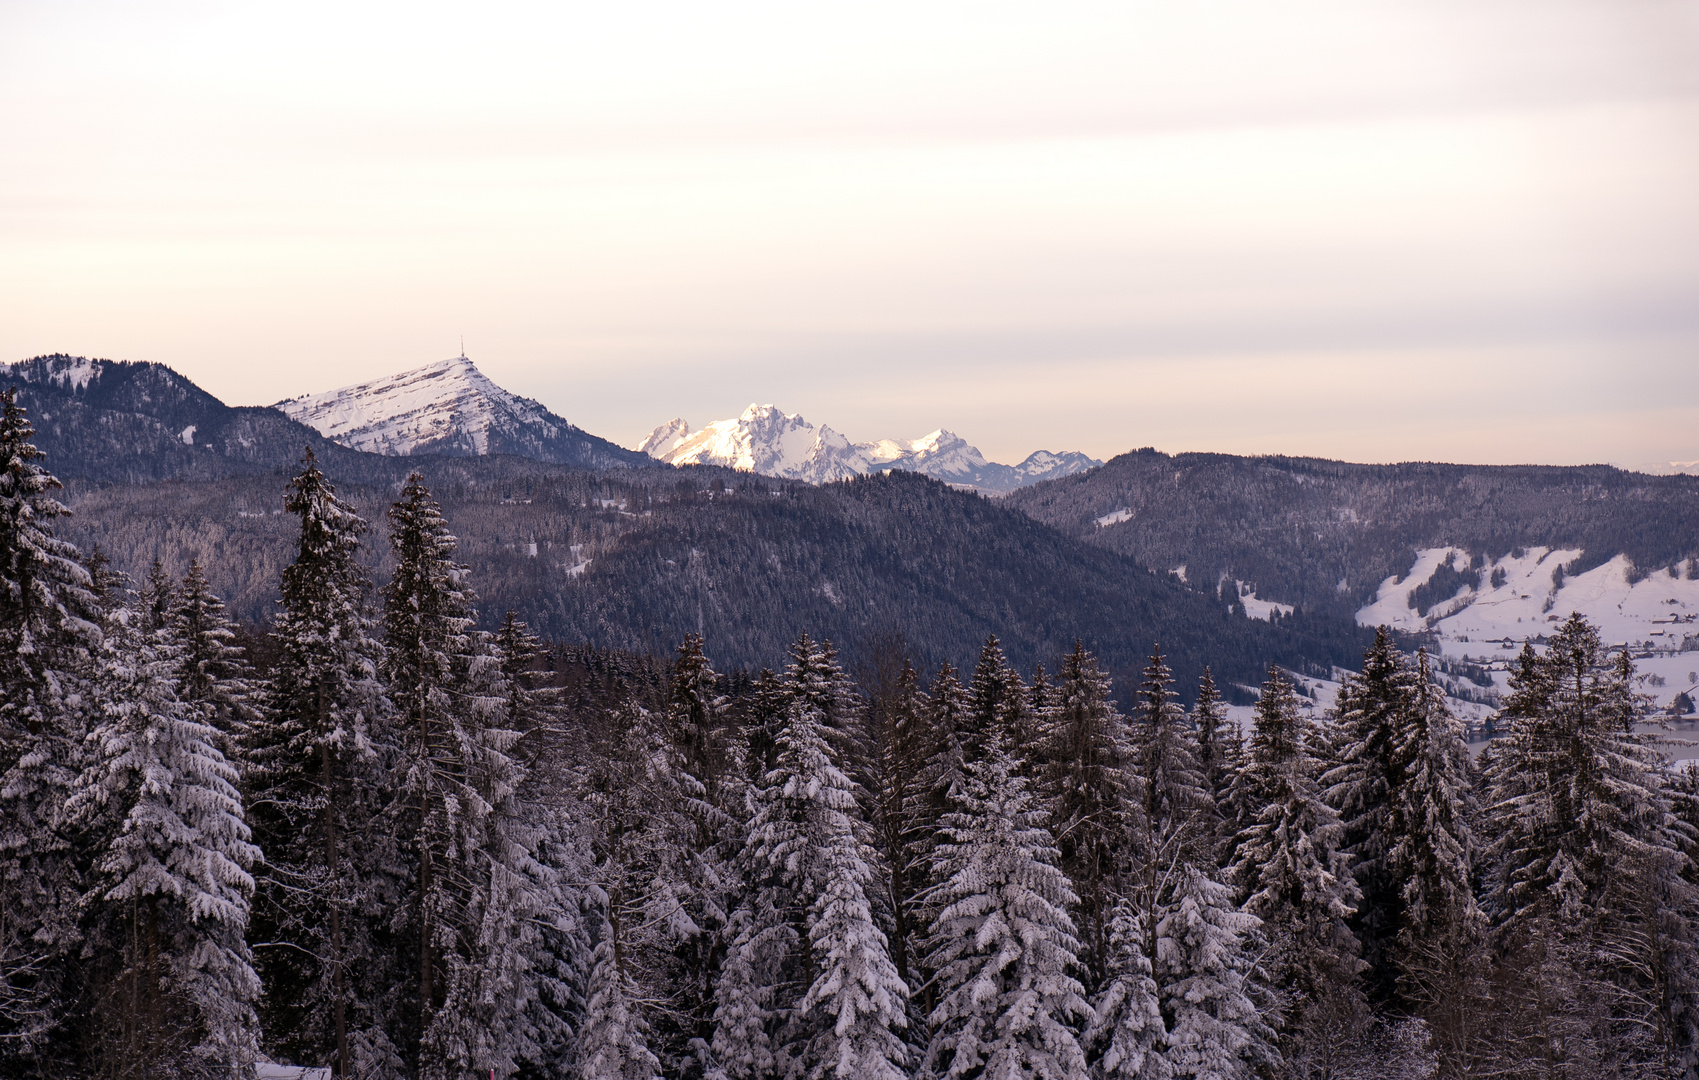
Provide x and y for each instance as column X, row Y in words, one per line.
column 214, row 672
column 49, row 635
column 1219, row 748
column 1208, row 997
column 703, row 770
column 944, row 717
column 1372, row 707
column 903, row 747
column 997, row 698
column 613, row 1044
column 158, row 598
column 1431, row 860
column 1090, row 802
column 171, row 882
column 1584, row 836
column 478, row 890
column 638, row 829
column 1289, row 868
column 808, row 989
column 320, row 782
column 1001, row 941
column 530, row 702
column 1126, row 1035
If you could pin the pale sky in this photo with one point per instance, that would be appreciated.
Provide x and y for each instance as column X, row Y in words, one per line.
column 1462, row 230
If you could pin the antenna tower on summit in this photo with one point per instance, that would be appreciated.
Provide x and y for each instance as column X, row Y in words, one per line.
column 462, row 346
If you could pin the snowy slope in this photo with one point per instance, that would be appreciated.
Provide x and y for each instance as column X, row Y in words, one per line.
column 451, row 408
column 769, row 441
column 1523, row 596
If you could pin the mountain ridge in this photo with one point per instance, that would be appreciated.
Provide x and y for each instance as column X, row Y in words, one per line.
column 766, row 440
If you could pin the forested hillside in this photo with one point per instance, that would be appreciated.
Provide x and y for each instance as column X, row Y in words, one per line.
column 1324, row 534
column 635, row 559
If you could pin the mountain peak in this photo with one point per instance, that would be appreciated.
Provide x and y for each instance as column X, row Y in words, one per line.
column 767, row 440
column 448, row 407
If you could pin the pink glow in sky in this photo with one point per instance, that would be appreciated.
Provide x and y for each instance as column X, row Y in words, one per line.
column 1452, row 229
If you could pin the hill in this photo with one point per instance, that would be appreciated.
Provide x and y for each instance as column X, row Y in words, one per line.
column 634, row 559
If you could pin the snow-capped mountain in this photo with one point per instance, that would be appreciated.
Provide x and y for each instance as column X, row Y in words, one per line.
column 449, row 408
column 763, row 440
column 769, row 441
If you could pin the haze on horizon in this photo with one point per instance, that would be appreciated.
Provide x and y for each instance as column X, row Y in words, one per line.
column 1460, row 230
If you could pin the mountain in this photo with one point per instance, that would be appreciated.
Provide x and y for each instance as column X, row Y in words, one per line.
column 1472, row 559
column 763, row 440
column 634, row 559
column 771, row 442
column 122, row 422
column 450, row 409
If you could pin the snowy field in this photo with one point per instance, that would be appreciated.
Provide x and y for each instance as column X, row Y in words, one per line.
column 1480, row 631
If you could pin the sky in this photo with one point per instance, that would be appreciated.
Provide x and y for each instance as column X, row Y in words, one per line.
column 1459, row 230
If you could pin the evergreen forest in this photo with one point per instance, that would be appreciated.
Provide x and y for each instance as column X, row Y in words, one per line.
column 392, row 835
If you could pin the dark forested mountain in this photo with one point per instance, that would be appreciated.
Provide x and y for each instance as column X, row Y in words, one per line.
column 131, row 422
column 1324, row 534
column 634, row 559
column 115, row 421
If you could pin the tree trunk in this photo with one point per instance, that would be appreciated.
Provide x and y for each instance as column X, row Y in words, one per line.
column 336, row 973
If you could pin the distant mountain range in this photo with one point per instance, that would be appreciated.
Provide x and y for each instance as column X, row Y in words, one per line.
column 769, row 441
column 596, row 542
column 129, row 422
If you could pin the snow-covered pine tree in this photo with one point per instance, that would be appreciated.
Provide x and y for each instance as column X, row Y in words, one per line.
column 158, row 598
column 318, row 778
column 639, row 833
column 1001, row 941
column 700, row 881
column 1583, row 834
column 857, row 1004
column 170, row 892
column 530, row 702
column 613, row 1043
column 49, row 633
column 944, row 716
column 903, row 747
column 997, row 697
column 762, row 720
column 1364, row 787
column 1218, row 753
column 1215, row 1029
column 1430, row 858
column 1289, row 868
column 214, row 672
column 1126, row 1034
column 1091, row 802
column 441, row 691
column 696, row 717
column 808, row 985
column 949, row 731
column 478, row 889
column 1174, row 812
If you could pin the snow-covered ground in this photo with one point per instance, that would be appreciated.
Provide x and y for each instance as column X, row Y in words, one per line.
column 772, row 442
column 1479, row 631
column 1523, row 598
